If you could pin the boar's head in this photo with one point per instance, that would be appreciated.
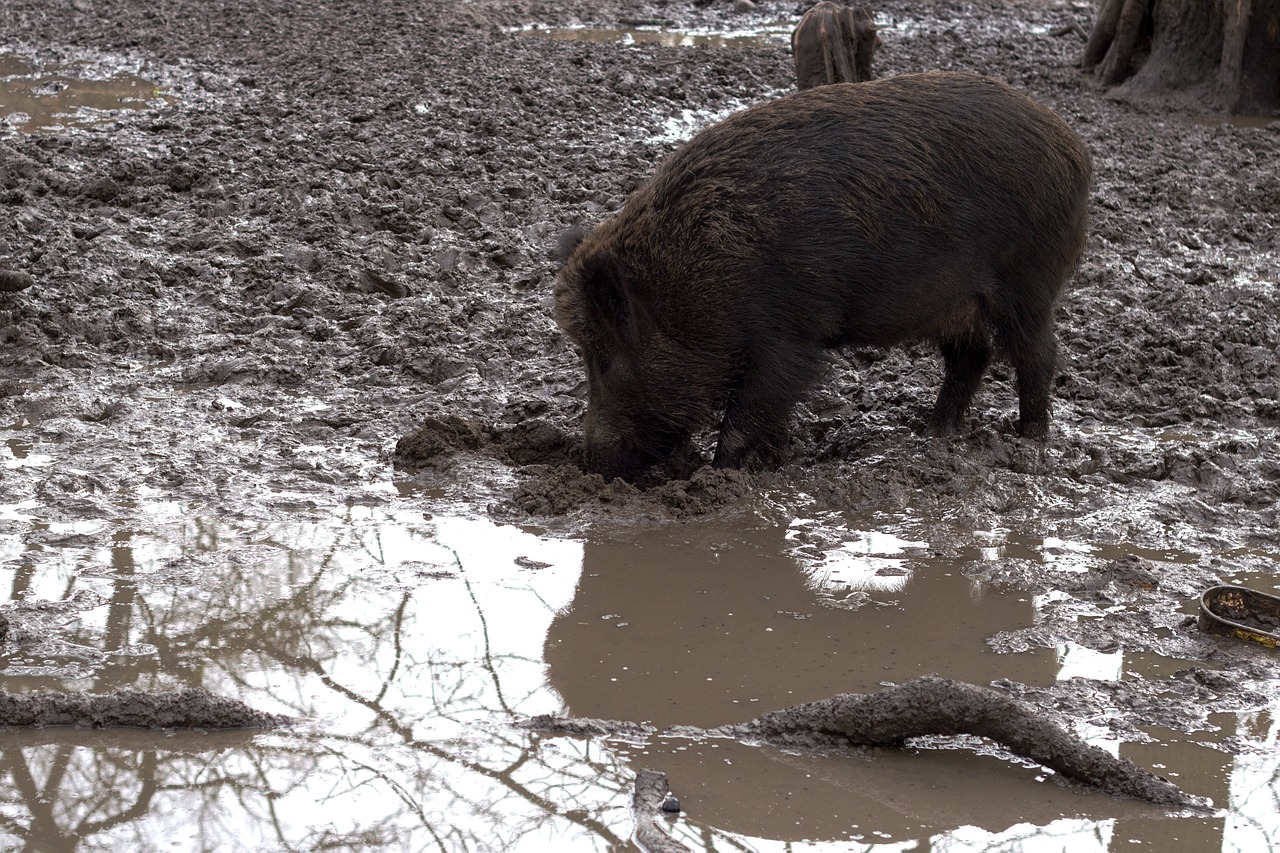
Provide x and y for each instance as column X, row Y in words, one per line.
column 640, row 400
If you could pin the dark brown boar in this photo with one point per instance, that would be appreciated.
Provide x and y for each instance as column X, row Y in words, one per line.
column 938, row 206
column 834, row 44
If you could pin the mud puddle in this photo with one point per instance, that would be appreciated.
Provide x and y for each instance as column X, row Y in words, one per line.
column 719, row 625
column 58, row 96
column 404, row 643
column 763, row 36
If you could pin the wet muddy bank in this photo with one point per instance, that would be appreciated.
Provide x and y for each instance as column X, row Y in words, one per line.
column 305, row 295
column 187, row 709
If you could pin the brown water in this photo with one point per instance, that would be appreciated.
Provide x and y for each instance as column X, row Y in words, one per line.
column 712, row 626
column 768, row 35
column 405, row 642
column 53, row 97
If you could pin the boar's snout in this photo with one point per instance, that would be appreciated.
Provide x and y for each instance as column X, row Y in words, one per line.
column 610, row 451
column 610, row 455
column 615, row 460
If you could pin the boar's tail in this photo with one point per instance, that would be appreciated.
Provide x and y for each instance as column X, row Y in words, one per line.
column 569, row 241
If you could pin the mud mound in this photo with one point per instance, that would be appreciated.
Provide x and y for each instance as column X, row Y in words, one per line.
column 548, row 490
column 437, row 437
column 544, row 490
column 133, row 708
column 532, row 442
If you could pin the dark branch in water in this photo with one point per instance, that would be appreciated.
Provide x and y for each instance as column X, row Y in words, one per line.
column 646, row 806
column 180, row 709
column 921, row 707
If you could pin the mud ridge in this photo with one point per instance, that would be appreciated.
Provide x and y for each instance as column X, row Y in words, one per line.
column 647, row 806
column 181, row 709
column 923, row 706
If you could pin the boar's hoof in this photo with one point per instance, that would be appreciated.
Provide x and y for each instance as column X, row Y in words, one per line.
column 735, row 450
column 684, row 462
column 938, row 430
column 1037, row 429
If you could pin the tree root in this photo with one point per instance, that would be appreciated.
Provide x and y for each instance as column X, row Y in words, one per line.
column 1119, row 54
column 181, row 709
column 1225, row 55
column 924, row 706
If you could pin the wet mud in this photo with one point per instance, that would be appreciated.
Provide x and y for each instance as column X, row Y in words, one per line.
column 186, row 709
column 305, row 281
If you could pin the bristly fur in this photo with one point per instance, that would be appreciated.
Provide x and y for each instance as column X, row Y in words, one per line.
column 946, row 207
column 569, row 241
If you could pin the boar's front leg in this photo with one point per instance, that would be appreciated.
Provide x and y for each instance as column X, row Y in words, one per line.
column 965, row 359
column 753, row 433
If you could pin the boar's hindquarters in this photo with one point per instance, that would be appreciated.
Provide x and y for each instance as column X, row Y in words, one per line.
column 945, row 207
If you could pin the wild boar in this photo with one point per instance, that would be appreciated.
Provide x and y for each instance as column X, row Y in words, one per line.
column 939, row 206
column 834, row 44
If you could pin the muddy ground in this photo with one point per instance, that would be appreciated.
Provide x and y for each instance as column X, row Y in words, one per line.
column 327, row 243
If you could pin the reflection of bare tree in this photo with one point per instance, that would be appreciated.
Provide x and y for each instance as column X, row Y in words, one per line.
column 454, row 701
column 121, row 790
column 287, row 601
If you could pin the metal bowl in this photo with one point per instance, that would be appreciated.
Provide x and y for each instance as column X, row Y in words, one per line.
column 1240, row 612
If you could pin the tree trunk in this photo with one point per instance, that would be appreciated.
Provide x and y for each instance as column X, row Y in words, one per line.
column 1223, row 53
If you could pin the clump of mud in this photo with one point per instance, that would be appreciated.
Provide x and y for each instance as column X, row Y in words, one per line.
column 561, row 489
column 550, row 482
column 531, row 442
column 12, row 281
column 183, row 709
column 565, row 489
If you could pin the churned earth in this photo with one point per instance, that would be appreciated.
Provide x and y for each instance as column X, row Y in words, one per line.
column 276, row 347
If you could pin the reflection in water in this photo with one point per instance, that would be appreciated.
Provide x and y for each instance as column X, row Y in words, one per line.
column 950, row 799
column 370, row 631
column 1255, row 786
column 16, row 453
column 705, row 632
column 49, row 99
column 404, row 643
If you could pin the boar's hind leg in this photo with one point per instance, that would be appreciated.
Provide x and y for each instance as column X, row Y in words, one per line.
column 965, row 360
column 1034, row 359
column 753, row 433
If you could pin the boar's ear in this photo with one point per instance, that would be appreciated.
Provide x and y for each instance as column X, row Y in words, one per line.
column 569, row 241
column 611, row 308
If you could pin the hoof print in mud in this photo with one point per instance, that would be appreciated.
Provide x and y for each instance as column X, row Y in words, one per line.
column 372, row 281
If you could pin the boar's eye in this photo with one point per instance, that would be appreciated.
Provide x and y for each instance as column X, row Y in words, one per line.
column 600, row 361
column 610, row 365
